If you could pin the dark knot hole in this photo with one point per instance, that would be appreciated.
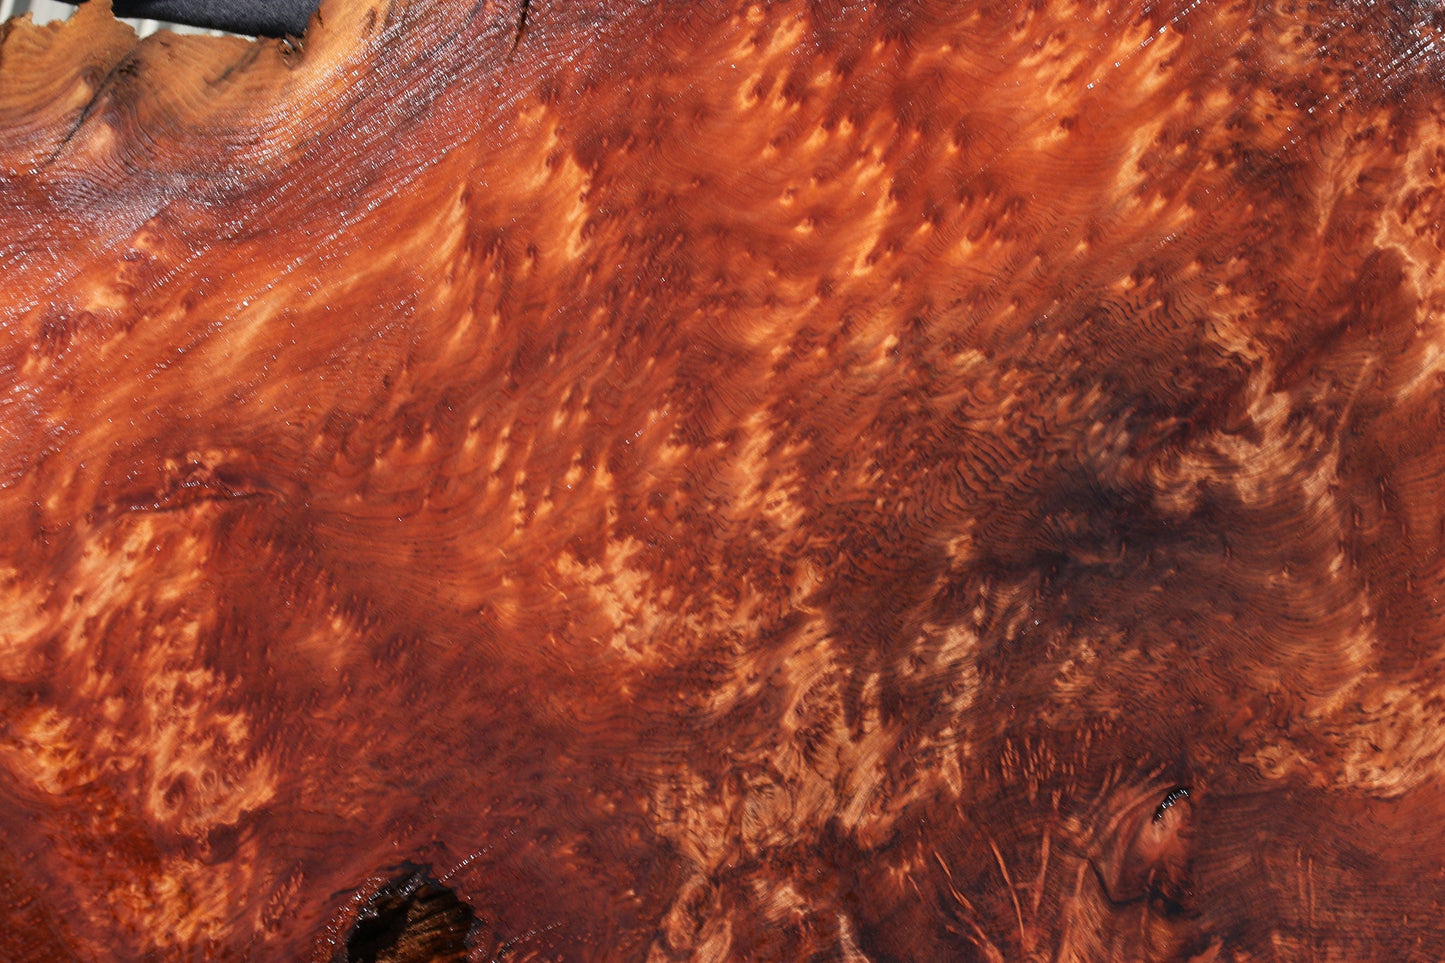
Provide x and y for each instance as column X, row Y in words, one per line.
column 410, row 920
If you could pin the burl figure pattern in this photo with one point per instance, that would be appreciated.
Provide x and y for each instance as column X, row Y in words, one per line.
column 701, row 481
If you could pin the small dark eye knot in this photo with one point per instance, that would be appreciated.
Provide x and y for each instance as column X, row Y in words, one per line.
column 1170, row 798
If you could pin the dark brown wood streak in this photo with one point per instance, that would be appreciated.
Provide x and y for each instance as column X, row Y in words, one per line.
column 674, row 481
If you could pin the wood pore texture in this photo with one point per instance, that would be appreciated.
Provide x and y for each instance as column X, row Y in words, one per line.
column 706, row 482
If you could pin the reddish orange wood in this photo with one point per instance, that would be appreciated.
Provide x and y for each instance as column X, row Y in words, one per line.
column 686, row 481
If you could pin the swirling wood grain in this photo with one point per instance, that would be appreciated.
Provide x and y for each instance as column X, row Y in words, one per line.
column 705, row 481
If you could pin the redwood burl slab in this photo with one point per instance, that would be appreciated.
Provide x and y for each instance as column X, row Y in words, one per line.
column 658, row 482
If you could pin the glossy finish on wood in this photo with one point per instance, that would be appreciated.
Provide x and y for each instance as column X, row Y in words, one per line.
column 803, row 481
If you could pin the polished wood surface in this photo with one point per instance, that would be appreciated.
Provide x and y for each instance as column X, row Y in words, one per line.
column 706, row 481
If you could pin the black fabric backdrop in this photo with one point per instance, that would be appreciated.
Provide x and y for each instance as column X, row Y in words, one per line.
column 266, row 18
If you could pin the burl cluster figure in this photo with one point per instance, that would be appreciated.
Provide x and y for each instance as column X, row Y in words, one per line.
column 716, row 482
